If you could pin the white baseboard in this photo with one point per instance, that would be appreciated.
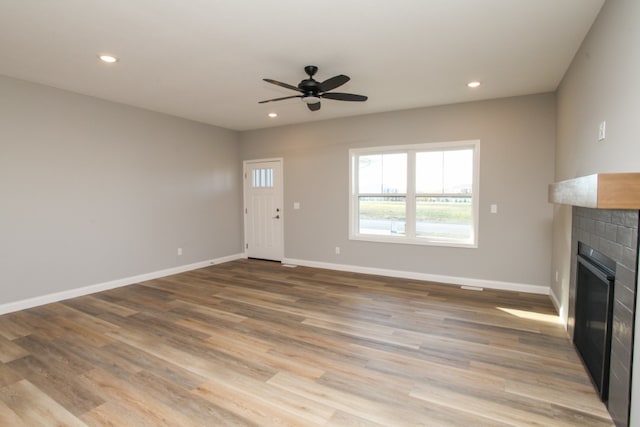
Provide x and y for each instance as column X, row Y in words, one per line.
column 556, row 303
column 86, row 290
column 449, row 280
column 461, row 281
column 554, row 300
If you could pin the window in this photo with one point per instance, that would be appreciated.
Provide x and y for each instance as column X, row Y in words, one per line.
column 419, row 194
column 262, row 178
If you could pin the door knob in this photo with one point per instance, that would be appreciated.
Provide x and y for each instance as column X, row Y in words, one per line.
column 276, row 217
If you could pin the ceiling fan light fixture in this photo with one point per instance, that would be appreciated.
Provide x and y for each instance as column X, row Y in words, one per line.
column 311, row 99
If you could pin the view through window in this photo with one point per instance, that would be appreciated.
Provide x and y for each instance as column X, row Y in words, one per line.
column 422, row 194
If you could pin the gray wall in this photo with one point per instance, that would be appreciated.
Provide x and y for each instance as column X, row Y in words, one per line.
column 516, row 154
column 93, row 191
column 601, row 84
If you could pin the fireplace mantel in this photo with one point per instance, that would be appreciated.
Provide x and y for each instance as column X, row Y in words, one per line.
column 599, row 191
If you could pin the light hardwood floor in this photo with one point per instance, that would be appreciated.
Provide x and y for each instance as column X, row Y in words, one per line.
column 255, row 343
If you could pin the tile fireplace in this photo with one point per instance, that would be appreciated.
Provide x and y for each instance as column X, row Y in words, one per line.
column 614, row 235
column 606, row 213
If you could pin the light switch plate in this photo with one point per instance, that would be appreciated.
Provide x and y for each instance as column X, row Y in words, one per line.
column 602, row 131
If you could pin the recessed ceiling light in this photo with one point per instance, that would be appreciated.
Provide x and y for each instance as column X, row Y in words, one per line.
column 108, row 58
column 473, row 84
column 273, row 115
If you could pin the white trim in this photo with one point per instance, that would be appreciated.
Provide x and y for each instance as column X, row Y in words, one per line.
column 447, row 280
column 78, row 292
column 558, row 307
column 554, row 300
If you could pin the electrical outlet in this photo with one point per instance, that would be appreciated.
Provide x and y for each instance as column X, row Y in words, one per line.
column 337, row 250
column 494, row 208
column 179, row 251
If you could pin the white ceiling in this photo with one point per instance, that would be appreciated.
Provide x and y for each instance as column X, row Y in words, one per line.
column 205, row 59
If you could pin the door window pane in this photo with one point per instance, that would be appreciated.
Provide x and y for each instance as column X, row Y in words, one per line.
column 262, row 178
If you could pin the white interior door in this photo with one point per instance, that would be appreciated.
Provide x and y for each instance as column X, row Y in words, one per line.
column 263, row 209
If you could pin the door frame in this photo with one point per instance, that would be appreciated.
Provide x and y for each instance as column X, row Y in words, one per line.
column 280, row 182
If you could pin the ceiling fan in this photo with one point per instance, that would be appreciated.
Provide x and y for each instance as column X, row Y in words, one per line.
column 311, row 91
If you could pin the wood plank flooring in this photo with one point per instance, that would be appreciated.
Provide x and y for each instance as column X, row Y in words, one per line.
column 254, row 343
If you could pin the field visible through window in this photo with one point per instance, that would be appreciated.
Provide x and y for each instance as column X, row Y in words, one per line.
column 454, row 212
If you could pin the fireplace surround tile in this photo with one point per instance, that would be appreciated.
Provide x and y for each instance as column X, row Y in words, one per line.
column 613, row 232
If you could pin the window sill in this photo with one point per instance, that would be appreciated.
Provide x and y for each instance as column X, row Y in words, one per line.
column 413, row 241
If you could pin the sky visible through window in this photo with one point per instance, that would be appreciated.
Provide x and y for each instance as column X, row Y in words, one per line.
column 442, row 172
column 383, row 173
column 437, row 172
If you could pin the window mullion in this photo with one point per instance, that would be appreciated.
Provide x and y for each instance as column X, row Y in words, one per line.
column 411, row 195
column 355, row 196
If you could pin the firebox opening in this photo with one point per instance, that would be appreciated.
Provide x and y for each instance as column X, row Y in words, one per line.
column 594, row 314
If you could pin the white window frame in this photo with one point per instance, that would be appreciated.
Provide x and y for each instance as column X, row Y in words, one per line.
column 411, row 194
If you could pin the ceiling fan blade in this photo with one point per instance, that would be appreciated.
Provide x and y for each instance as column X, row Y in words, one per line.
column 277, row 83
column 344, row 96
column 333, row 82
column 314, row 107
column 280, row 99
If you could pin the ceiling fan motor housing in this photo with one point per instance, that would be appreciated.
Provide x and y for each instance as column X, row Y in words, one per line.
column 309, row 86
